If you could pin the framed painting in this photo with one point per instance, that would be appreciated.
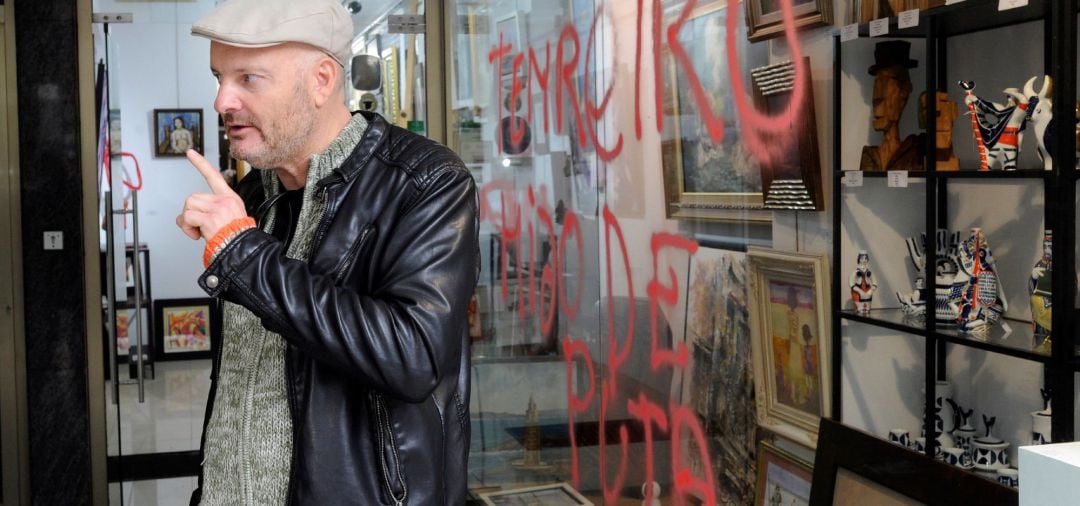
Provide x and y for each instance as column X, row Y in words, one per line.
column 555, row 494
column 853, row 468
column 782, row 478
column 185, row 328
column 765, row 19
column 704, row 179
column 178, row 130
column 789, row 320
column 721, row 386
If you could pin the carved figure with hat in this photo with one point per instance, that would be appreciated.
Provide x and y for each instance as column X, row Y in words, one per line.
column 892, row 87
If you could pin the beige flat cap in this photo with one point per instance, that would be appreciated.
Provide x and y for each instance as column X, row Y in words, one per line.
column 324, row 24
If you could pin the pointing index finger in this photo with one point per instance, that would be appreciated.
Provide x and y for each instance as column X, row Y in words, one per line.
column 213, row 178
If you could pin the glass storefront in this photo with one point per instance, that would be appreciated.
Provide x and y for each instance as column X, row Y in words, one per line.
column 620, row 186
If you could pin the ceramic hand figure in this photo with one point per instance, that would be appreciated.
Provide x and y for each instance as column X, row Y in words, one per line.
column 1039, row 287
column 915, row 302
column 862, row 284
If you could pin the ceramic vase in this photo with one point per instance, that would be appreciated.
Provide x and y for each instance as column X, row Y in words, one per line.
column 982, row 300
column 990, row 453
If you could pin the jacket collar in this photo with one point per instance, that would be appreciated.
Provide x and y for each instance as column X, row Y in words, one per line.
column 369, row 144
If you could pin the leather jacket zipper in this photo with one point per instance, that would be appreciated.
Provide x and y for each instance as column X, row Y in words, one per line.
column 350, row 258
column 384, row 432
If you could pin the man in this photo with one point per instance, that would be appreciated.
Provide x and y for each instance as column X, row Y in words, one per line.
column 892, row 87
column 345, row 266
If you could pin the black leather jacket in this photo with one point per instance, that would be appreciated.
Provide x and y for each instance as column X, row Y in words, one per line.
column 377, row 361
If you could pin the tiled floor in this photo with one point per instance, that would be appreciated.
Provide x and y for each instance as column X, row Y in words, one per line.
column 170, row 418
column 172, row 492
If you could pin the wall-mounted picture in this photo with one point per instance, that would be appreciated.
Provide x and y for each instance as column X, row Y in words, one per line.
column 789, row 319
column 185, row 328
column 765, row 19
column 555, row 494
column 178, row 130
column 790, row 170
column 721, row 378
column 705, row 179
column 782, row 478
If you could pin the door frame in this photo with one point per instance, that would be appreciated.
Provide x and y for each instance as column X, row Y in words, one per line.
column 95, row 368
column 14, row 436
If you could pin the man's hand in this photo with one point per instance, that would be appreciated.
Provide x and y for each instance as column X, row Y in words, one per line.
column 205, row 213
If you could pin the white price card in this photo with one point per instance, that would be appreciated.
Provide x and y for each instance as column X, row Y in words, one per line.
column 897, row 179
column 879, row 27
column 950, row 2
column 1005, row 5
column 909, row 19
column 849, row 32
column 853, row 178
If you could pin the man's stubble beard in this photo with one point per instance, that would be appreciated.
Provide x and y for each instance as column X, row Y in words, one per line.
column 284, row 136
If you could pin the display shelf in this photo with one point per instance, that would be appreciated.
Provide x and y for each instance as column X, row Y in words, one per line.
column 1018, row 341
column 889, row 318
column 1051, row 44
column 964, row 174
column 966, row 17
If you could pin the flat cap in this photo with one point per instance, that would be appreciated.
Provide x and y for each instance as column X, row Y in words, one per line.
column 324, row 24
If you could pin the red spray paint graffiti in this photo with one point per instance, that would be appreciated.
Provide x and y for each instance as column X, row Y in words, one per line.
column 502, row 208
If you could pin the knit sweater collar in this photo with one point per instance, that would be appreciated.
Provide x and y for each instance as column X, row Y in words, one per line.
column 323, row 163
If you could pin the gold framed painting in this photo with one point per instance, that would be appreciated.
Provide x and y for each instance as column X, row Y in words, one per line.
column 790, row 337
column 705, row 179
column 765, row 19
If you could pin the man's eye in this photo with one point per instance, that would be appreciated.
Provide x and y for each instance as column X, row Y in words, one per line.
column 250, row 78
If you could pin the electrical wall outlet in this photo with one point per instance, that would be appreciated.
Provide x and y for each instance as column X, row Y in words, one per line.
column 54, row 240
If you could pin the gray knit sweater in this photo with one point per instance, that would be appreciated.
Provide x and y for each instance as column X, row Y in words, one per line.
column 249, row 436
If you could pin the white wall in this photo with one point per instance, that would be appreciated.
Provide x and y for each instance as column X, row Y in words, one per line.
column 155, row 63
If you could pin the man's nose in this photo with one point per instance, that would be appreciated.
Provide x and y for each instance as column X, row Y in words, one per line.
column 226, row 100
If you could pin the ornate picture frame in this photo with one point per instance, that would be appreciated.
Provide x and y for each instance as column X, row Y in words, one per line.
column 765, row 19
column 782, row 478
column 705, row 180
column 790, row 326
column 177, row 130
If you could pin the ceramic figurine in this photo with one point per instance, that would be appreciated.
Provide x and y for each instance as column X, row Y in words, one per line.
column 862, row 284
column 997, row 127
column 1041, row 115
column 964, row 431
column 947, row 292
column 892, row 87
column 983, row 299
column 944, row 417
column 1040, row 421
column 915, row 302
column 943, row 130
column 1039, row 286
column 990, row 452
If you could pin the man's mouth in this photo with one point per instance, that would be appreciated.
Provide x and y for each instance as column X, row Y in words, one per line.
column 236, row 130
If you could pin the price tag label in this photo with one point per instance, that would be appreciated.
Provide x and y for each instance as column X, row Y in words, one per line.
column 950, row 2
column 879, row 27
column 1005, row 5
column 849, row 32
column 897, row 179
column 852, row 178
column 909, row 19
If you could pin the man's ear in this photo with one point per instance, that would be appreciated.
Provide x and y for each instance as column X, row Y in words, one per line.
column 327, row 73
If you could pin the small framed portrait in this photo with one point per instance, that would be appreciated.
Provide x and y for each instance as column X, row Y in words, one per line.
column 782, row 478
column 178, row 130
column 765, row 18
column 185, row 328
column 789, row 321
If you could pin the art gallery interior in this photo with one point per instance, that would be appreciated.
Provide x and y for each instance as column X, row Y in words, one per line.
column 709, row 233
